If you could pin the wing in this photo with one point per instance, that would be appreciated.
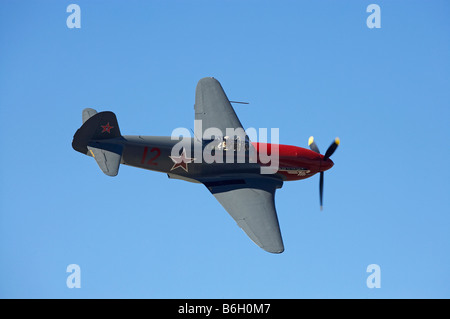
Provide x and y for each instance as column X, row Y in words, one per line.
column 250, row 201
column 213, row 108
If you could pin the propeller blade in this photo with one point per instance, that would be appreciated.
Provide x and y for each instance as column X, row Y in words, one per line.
column 332, row 148
column 328, row 153
column 312, row 145
column 321, row 190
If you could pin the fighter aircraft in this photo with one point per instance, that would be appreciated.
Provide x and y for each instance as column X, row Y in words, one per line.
column 230, row 166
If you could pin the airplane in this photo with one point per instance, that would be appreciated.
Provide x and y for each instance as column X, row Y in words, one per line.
column 240, row 185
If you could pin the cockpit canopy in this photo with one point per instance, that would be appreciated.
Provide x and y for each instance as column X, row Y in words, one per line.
column 230, row 144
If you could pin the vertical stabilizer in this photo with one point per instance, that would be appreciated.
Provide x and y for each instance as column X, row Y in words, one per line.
column 99, row 137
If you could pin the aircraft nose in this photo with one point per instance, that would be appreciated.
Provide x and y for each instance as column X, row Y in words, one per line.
column 326, row 164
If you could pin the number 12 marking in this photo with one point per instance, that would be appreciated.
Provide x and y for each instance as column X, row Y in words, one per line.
column 152, row 160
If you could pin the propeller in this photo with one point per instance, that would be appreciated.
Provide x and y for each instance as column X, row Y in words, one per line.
column 331, row 149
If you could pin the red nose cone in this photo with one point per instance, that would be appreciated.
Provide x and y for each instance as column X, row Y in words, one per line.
column 326, row 165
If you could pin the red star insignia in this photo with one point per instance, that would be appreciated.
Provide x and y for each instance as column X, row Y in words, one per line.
column 181, row 161
column 106, row 128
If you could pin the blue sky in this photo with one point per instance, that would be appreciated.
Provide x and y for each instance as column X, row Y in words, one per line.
column 306, row 67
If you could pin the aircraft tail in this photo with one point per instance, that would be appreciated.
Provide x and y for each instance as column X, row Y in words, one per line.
column 98, row 137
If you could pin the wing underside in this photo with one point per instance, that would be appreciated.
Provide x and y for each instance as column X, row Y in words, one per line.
column 251, row 203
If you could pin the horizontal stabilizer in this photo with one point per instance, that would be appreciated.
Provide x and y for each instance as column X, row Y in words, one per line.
column 88, row 113
column 108, row 161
